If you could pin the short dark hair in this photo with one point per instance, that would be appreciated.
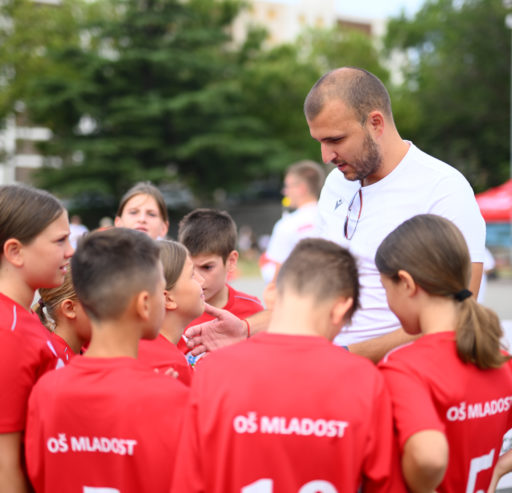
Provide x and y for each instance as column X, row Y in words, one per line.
column 311, row 173
column 25, row 212
column 208, row 231
column 356, row 87
column 322, row 269
column 109, row 267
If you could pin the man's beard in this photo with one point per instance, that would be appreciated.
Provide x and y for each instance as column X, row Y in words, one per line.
column 369, row 163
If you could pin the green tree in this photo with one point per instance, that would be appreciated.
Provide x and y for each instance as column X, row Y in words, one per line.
column 456, row 84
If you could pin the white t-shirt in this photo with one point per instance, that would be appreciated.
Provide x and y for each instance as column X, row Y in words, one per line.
column 287, row 232
column 420, row 184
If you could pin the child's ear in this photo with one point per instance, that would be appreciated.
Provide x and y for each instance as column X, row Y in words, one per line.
column 340, row 309
column 407, row 282
column 170, row 300
column 231, row 261
column 142, row 305
column 67, row 307
column 13, row 249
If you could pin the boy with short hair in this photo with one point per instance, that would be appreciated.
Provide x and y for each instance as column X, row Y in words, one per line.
column 210, row 236
column 296, row 413
column 106, row 421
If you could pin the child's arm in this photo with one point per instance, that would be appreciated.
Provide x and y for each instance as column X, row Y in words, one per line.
column 12, row 479
column 424, row 460
column 226, row 329
column 503, row 466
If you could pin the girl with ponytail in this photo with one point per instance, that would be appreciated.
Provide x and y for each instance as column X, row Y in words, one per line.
column 451, row 388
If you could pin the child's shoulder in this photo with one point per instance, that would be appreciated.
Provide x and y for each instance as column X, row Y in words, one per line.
column 242, row 304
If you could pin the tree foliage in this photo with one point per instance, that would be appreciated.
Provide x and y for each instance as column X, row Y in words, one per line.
column 456, row 87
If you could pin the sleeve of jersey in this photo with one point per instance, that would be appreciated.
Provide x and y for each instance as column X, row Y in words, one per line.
column 413, row 409
column 16, row 381
column 381, row 471
column 188, row 472
column 455, row 200
column 34, row 443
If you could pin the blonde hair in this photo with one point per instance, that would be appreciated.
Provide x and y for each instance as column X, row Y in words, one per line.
column 433, row 251
column 50, row 300
column 173, row 256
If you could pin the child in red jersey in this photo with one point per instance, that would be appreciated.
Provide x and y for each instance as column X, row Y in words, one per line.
column 106, row 421
column 184, row 301
column 451, row 388
column 34, row 253
column 210, row 236
column 286, row 410
column 62, row 314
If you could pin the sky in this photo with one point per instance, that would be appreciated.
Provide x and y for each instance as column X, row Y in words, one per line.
column 377, row 8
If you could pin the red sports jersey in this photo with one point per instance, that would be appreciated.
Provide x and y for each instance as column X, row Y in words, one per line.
column 162, row 354
column 432, row 389
column 26, row 352
column 109, row 423
column 64, row 352
column 240, row 304
column 282, row 413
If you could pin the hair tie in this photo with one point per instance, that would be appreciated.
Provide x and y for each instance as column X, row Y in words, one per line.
column 462, row 294
column 41, row 302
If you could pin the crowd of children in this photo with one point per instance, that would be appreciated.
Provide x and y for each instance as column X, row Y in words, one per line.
column 284, row 410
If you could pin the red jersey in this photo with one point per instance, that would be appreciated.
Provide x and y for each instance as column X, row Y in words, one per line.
column 161, row 354
column 109, row 423
column 432, row 389
column 282, row 413
column 26, row 353
column 240, row 304
column 64, row 352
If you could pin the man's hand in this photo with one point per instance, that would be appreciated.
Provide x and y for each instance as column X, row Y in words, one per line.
column 226, row 329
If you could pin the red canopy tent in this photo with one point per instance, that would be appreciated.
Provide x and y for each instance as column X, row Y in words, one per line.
column 496, row 203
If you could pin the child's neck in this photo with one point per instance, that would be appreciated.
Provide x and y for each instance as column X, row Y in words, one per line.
column 438, row 314
column 66, row 331
column 172, row 328
column 113, row 339
column 294, row 315
column 220, row 300
column 16, row 289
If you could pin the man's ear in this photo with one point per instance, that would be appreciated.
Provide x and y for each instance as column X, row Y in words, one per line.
column 231, row 261
column 13, row 252
column 376, row 122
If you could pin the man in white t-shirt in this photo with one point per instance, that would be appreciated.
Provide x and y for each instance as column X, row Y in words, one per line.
column 380, row 181
column 302, row 185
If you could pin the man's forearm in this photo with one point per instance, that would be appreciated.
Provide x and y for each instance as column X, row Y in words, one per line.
column 375, row 349
column 259, row 321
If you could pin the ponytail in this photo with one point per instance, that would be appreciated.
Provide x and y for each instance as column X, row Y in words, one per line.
column 478, row 336
column 433, row 251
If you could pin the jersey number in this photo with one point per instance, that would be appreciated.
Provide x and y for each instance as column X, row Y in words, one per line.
column 478, row 464
column 267, row 486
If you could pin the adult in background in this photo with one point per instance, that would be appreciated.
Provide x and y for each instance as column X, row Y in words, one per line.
column 302, row 185
column 381, row 180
